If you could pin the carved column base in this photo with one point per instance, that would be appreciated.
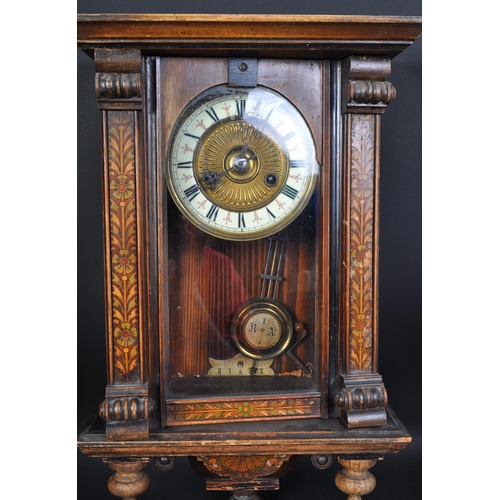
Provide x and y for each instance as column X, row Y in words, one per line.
column 129, row 480
column 354, row 479
column 362, row 400
column 126, row 411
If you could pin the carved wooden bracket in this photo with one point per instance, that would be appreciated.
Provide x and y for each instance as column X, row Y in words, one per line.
column 242, row 472
column 366, row 88
column 118, row 79
column 126, row 411
column 118, row 86
column 363, row 400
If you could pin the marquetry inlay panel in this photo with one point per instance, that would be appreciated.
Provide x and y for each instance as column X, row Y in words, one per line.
column 244, row 410
column 361, row 244
column 123, row 245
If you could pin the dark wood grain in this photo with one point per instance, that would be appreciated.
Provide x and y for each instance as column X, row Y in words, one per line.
column 158, row 266
column 307, row 437
column 93, row 27
column 286, row 36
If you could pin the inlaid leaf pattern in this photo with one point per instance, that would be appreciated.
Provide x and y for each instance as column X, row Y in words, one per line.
column 123, row 239
column 361, row 244
column 242, row 410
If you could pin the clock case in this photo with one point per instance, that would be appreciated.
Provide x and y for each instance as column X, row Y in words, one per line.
column 336, row 71
column 209, row 279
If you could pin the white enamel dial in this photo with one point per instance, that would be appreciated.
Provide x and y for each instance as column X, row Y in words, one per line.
column 242, row 163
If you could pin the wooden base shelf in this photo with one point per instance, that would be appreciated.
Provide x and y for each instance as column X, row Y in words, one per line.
column 307, row 437
column 247, row 457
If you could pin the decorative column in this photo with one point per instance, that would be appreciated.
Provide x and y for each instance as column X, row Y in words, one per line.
column 119, row 95
column 366, row 92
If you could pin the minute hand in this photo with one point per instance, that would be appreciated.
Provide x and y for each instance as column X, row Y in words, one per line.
column 211, row 178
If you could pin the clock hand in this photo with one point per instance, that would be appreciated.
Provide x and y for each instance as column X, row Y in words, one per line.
column 244, row 150
column 212, row 178
column 262, row 332
column 240, row 162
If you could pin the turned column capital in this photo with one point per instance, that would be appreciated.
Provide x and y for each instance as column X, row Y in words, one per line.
column 118, row 82
column 365, row 84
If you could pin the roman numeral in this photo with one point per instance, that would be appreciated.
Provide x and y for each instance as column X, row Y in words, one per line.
column 195, row 137
column 241, row 106
column 212, row 114
column 289, row 135
column 269, row 114
column 213, row 212
column 241, row 221
column 270, row 213
column 297, row 164
column 184, row 164
column 192, row 192
column 290, row 191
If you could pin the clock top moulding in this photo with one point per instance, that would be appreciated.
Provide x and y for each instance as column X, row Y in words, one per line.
column 365, row 45
column 316, row 36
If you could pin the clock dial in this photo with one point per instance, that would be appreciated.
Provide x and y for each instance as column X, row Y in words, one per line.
column 262, row 328
column 242, row 163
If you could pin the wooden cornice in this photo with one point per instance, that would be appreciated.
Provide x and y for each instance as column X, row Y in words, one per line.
column 223, row 34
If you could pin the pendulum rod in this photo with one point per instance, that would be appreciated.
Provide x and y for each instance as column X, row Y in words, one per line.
column 274, row 264
column 278, row 271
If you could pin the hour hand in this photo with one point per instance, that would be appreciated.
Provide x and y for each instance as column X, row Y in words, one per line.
column 210, row 179
column 244, row 150
column 243, row 154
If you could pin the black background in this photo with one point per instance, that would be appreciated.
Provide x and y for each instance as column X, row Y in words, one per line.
column 400, row 305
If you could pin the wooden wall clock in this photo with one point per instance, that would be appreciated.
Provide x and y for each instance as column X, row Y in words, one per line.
column 241, row 164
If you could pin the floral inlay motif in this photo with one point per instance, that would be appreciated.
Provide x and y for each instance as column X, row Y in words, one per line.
column 361, row 244
column 240, row 410
column 122, row 188
column 123, row 235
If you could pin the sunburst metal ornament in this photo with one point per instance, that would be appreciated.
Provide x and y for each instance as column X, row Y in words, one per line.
column 246, row 161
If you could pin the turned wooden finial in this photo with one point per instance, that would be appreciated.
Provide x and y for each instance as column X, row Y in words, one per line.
column 129, row 480
column 354, row 479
